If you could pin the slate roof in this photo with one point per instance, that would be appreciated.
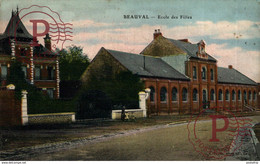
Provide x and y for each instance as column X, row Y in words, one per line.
column 42, row 50
column 190, row 49
column 232, row 76
column 16, row 28
column 154, row 67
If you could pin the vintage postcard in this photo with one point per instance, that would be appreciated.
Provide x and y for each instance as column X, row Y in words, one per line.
column 129, row 80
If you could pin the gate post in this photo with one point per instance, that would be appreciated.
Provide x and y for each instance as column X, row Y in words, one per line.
column 142, row 100
column 24, row 108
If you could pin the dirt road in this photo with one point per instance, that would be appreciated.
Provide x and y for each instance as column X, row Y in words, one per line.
column 161, row 143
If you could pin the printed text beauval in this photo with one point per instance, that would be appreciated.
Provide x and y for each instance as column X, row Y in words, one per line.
column 158, row 17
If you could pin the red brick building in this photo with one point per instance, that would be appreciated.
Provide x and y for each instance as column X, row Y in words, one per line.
column 182, row 76
column 39, row 63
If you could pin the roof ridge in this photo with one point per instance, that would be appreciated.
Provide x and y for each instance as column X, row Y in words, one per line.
column 156, row 57
column 135, row 65
column 13, row 25
column 246, row 79
column 244, row 75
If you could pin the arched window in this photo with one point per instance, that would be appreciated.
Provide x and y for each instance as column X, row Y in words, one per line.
column 152, row 94
column 245, row 96
column 211, row 74
column 163, row 94
column 254, row 95
column 195, row 95
column 220, row 95
column 184, row 94
column 174, row 94
column 203, row 73
column 239, row 95
column 233, row 95
column 249, row 95
column 194, row 72
column 212, row 95
column 204, row 95
column 227, row 95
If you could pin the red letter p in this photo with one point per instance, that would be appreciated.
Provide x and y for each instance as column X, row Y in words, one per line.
column 214, row 126
column 35, row 33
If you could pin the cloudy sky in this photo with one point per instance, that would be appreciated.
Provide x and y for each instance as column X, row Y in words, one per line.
column 231, row 28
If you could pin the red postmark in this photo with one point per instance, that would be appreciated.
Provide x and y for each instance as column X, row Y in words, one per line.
column 42, row 20
column 218, row 139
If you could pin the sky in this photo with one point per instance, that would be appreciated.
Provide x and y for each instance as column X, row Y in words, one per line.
column 230, row 28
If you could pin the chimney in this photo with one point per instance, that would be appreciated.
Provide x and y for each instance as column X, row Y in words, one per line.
column 47, row 41
column 184, row 40
column 230, row 66
column 156, row 33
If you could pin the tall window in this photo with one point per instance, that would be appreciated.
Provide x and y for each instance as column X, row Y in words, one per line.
column 212, row 95
column 204, row 96
column 184, row 94
column 194, row 72
column 3, row 71
column 245, row 95
column 24, row 69
column 227, row 95
column 163, row 94
column 211, row 74
column 220, row 95
column 254, row 95
column 249, row 95
column 37, row 73
column 239, row 95
column 174, row 94
column 152, row 94
column 233, row 95
column 204, row 73
column 195, row 94
column 50, row 73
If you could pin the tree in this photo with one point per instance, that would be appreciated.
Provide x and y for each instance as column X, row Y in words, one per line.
column 122, row 89
column 16, row 77
column 73, row 62
column 37, row 101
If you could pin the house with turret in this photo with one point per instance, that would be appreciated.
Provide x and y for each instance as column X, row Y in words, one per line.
column 39, row 63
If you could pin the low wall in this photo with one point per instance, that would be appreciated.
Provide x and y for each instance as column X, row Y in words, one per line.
column 138, row 113
column 51, row 118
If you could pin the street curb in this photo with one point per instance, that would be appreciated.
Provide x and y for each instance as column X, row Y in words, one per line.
column 255, row 142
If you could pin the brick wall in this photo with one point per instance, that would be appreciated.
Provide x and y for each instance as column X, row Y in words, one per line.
column 179, row 106
column 10, row 109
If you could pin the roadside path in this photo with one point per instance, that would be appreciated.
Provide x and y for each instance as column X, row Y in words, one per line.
column 28, row 152
column 158, row 142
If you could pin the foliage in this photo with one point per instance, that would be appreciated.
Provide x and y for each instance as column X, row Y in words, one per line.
column 73, row 63
column 52, row 106
column 122, row 89
column 94, row 104
column 37, row 101
column 16, row 77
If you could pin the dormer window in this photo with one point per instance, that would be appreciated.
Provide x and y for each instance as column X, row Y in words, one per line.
column 201, row 50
